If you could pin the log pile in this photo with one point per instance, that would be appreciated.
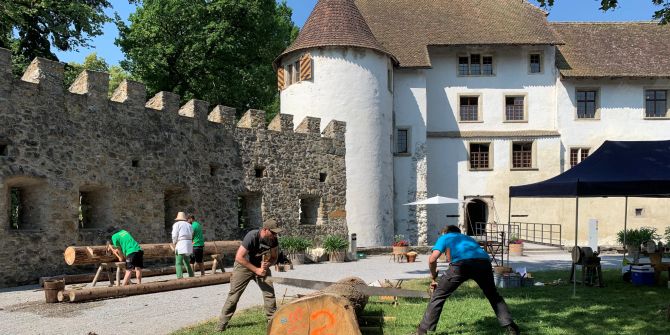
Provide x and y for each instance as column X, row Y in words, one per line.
column 84, row 255
column 154, row 287
column 332, row 310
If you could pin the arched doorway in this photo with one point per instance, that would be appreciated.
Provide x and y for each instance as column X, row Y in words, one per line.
column 476, row 216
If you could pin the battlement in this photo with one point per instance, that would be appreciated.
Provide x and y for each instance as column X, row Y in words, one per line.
column 47, row 75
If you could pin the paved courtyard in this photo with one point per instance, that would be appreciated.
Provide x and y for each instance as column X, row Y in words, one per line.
column 23, row 310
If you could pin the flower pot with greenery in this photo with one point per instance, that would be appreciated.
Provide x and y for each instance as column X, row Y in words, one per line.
column 295, row 247
column 515, row 246
column 336, row 247
column 400, row 245
column 632, row 239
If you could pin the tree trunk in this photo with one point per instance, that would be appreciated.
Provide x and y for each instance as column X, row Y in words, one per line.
column 329, row 311
column 154, row 287
column 83, row 255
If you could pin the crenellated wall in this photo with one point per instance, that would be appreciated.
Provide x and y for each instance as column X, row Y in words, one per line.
column 141, row 161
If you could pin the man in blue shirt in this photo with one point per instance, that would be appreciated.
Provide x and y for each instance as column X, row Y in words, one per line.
column 468, row 261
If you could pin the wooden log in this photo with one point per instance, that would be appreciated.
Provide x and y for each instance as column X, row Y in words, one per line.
column 332, row 310
column 83, row 255
column 154, row 287
column 88, row 277
column 63, row 296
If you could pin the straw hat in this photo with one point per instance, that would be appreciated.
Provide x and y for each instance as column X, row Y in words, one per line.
column 181, row 216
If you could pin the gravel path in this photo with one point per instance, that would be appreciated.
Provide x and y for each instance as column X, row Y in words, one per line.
column 23, row 311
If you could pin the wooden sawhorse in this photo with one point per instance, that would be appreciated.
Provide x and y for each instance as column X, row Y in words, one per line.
column 107, row 267
column 217, row 261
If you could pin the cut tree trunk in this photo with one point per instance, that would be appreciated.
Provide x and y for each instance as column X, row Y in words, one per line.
column 332, row 310
column 154, row 287
column 83, row 255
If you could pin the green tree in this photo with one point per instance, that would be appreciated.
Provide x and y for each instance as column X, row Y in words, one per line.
column 663, row 14
column 94, row 63
column 220, row 51
column 31, row 27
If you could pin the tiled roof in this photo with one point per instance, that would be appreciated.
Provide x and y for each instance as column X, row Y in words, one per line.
column 335, row 23
column 407, row 27
column 624, row 49
column 493, row 134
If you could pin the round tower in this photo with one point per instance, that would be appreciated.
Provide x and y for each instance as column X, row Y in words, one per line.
column 336, row 69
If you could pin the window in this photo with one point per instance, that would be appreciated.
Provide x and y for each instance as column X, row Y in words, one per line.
column 639, row 211
column 249, row 210
column 94, row 209
column 577, row 155
column 26, row 201
column 323, row 177
column 522, row 155
column 4, row 151
column 402, row 141
column 475, row 65
column 296, row 72
column 469, row 108
column 586, row 104
column 535, row 62
column 289, row 75
column 515, row 108
column 309, row 210
column 259, row 172
column 213, row 169
column 656, row 103
column 480, row 156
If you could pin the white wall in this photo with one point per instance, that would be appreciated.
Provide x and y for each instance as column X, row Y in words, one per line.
column 410, row 169
column 351, row 85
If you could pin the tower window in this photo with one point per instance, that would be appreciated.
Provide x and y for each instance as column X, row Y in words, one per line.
column 259, row 172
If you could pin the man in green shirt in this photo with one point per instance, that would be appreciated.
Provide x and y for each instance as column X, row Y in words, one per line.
column 198, row 245
column 124, row 246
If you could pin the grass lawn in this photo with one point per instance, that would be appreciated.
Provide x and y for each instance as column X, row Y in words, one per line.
column 619, row 308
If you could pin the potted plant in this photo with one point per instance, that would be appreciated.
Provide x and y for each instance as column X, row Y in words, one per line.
column 634, row 238
column 411, row 257
column 515, row 246
column 336, row 247
column 295, row 247
column 400, row 245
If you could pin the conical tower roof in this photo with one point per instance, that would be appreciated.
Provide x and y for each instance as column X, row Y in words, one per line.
column 335, row 23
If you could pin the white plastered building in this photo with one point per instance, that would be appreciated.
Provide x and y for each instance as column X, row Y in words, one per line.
column 464, row 98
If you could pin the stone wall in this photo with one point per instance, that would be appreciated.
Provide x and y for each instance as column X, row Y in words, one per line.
column 138, row 162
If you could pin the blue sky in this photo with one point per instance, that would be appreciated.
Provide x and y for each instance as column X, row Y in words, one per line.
column 564, row 10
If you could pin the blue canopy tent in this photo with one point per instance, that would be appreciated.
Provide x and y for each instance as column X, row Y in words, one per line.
column 616, row 169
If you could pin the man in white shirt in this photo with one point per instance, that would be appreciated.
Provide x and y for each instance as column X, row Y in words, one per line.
column 182, row 236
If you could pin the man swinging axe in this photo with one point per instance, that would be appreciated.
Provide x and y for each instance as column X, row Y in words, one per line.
column 468, row 261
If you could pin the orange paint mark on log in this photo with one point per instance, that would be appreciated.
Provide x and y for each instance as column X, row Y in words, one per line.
column 330, row 321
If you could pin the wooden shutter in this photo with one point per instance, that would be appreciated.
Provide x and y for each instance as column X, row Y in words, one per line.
column 306, row 67
column 280, row 78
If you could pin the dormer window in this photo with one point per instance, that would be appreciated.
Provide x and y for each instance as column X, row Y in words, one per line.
column 475, row 65
column 295, row 72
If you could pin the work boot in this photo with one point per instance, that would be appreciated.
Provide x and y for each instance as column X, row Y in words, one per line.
column 513, row 329
column 420, row 331
column 221, row 327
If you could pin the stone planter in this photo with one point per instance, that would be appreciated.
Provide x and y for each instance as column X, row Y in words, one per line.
column 297, row 258
column 337, row 256
column 400, row 250
column 411, row 257
column 516, row 249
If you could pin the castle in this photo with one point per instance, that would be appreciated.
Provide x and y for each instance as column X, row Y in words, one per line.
column 464, row 98
column 74, row 162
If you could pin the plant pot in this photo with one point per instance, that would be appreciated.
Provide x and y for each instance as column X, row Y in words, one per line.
column 516, row 249
column 297, row 258
column 400, row 250
column 337, row 256
column 411, row 257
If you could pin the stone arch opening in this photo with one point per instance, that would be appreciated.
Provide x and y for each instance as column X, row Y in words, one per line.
column 476, row 216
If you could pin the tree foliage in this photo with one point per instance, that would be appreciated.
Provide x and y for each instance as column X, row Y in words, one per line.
column 662, row 15
column 220, row 51
column 94, row 63
column 31, row 27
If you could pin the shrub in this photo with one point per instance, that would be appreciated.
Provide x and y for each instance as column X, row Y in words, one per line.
column 333, row 243
column 514, row 239
column 635, row 237
column 667, row 235
column 400, row 241
column 294, row 244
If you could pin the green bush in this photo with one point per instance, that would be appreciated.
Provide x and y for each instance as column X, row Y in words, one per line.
column 667, row 235
column 636, row 237
column 294, row 244
column 333, row 243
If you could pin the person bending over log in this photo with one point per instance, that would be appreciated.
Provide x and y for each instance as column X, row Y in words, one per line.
column 124, row 246
column 253, row 260
column 468, row 261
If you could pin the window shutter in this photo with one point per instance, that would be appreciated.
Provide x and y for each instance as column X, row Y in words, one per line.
column 280, row 78
column 306, row 67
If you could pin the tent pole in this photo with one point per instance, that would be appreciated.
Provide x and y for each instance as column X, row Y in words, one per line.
column 574, row 268
column 509, row 227
column 625, row 229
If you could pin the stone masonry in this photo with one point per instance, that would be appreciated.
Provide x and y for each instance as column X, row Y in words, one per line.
column 134, row 163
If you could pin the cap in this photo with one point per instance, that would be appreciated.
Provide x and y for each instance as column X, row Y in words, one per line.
column 271, row 224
